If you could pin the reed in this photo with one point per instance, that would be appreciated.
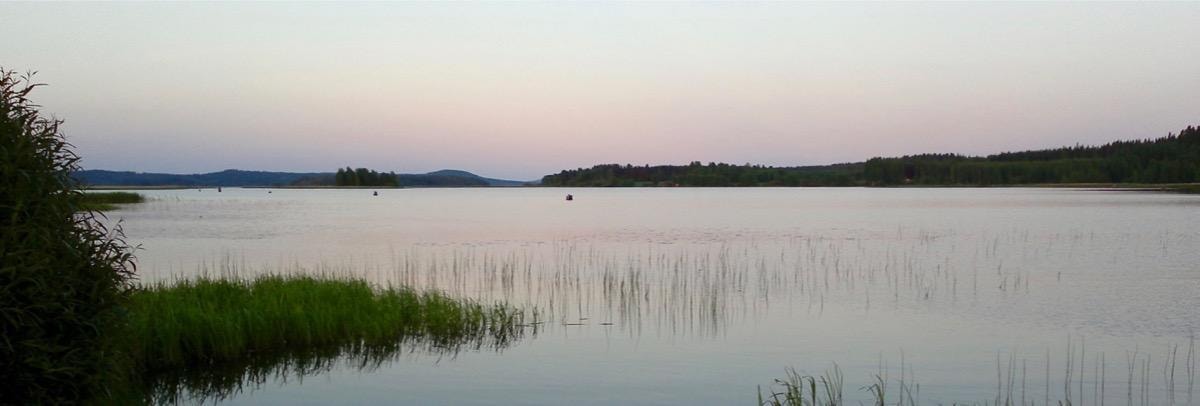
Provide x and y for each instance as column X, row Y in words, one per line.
column 205, row 322
column 797, row 390
column 1011, row 383
column 103, row 201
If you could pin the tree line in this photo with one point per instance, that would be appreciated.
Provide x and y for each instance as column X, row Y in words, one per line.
column 1174, row 158
column 1170, row 159
column 712, row 174
column 365, row 177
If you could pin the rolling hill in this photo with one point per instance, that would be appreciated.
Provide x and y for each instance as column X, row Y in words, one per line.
column 235, row 177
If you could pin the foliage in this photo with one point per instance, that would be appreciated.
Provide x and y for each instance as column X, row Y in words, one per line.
column 365, row 177
column 63, row 275
column 797, row 390
column 215, row 321
column 713, row 174
column 99, row 201
column 1170, row 159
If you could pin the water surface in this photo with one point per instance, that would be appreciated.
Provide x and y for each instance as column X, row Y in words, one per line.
column 669, row 296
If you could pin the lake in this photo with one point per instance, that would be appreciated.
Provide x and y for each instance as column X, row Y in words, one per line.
column 701, row 296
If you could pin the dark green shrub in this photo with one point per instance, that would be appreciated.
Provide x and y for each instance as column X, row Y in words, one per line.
column 63, row 275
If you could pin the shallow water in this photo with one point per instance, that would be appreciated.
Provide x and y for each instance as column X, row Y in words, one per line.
column 667, row 296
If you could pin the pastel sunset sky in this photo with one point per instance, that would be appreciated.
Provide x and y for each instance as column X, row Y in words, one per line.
column 520, row 90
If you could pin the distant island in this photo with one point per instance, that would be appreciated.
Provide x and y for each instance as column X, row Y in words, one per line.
column 365, row 177
column 241, row 178
column 1173, row 159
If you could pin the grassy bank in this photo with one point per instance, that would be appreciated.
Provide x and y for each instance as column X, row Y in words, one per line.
column 141, row 187
column 213, row 321
column 108, row 200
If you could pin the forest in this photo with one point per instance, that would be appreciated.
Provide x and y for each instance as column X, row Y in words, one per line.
column 712, row 174
column 1170, row 159
column 1174, row 158
column 365, row 177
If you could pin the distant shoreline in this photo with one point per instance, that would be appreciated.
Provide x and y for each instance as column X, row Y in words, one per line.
column 143, row 187
column 1188, row 188
column 177, row 187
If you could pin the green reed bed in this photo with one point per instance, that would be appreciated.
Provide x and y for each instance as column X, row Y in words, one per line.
column 211, row 321
column 100, row 201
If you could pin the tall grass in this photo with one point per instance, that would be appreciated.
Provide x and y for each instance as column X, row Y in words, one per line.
column 797, row 390
column 102, row 201
column 205, row 339
column 211, row 321
column 1012, row 375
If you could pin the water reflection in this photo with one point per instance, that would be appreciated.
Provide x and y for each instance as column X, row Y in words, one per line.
column 217, row 382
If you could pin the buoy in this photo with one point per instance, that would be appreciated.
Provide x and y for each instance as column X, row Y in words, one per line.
column 570, row 198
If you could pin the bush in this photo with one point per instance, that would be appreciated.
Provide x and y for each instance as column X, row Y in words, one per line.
column 63, row 275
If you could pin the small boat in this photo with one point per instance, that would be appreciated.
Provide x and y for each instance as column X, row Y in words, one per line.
column 376, row 193
column 570, row 198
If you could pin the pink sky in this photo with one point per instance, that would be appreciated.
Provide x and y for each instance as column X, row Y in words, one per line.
column 519, row 90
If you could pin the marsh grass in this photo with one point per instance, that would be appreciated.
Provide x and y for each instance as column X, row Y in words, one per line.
column 103, row 201
column 797, row 389
column 212, row 321
column 1012, row 376
column 207, row 339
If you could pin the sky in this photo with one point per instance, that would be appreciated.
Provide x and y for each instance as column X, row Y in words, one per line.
column 522, row 89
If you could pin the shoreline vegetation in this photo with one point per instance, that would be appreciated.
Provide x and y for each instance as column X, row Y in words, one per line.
column 1173, row 159
column 211, row 338
column 213, row 320
column 65, row 275
column 135, row 187
column 365, row 177
column 104, row 201
column 205, row 338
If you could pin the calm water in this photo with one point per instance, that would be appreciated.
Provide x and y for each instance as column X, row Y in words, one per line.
column 670, row 296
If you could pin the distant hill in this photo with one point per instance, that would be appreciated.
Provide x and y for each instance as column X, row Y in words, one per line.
column 465, row 174
column 234, row 177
